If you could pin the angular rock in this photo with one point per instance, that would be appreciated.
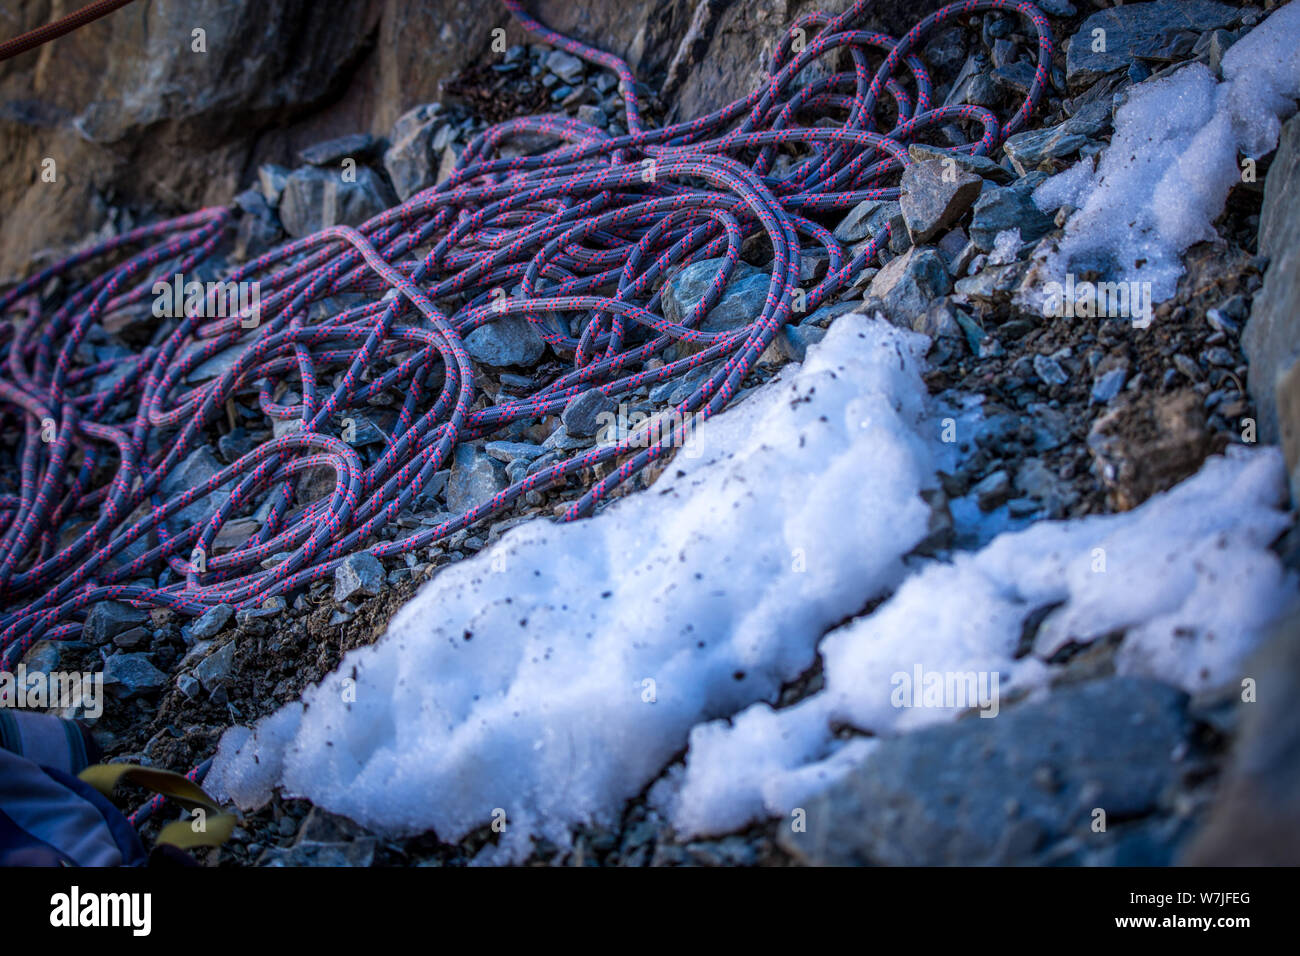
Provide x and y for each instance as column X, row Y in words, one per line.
column 132, row 675
column 740, row 303
column 211, row 621
column 272, row 180
column 566, row 66
column 1138, row 31
column 992, row 490
column 504, row 341
column 315, row 198
column 358, row 575
column 474, row 479
column 508, row 451
column 907, row 285
column 216, row 667
column 410, row 159
column 1049, row 370
column 981, row 166
column 583, row 415
column 1149, row 444
column 107, row 619
column 1000, row 209
column 1028, row 149
column 1003, row 791
column 935, row 195
column 356, row 146
column 1107, row 386
column 866, row 219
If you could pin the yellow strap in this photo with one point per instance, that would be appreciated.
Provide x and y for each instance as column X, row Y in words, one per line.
column 182, row 833
column 105, row 776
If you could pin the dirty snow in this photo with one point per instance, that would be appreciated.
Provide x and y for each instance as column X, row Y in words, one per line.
column 1188, row 577
column 1166, row 174
column 552, row 676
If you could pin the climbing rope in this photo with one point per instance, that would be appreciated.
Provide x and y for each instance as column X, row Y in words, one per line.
column 52, row 31
column 589, row 230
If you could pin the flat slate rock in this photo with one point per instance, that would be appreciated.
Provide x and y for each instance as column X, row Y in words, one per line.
column 1002, row 790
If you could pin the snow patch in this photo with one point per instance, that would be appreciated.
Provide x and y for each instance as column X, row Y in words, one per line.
column 1166, row 174
column 1188, row 577
column 553, row 675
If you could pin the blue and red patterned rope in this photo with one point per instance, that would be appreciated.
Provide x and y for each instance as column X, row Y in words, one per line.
column 588, row 229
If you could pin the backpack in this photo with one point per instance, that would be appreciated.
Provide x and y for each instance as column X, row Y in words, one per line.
column 54, row 807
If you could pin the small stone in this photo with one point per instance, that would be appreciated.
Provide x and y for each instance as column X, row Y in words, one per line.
column 510, row 451
column 794, row 340
column 1000, row 209
column 566, row 66
column 132, row 675
column 981, row 166
column 474, row 479
column 107, row 619
column 315, row 198
column 1188, row 367
column 740, row 303
column 409, row 159
column 907, row 285
column 216, row 667
column 1108, row 385
column 585, row 413
column 189, row 686
column 135, row 637
column 504, row 341
column 1220, row 356
column 593, row 116
column 1049, row 370
column 866, row 219
column 211, row 621
column 358, row 575
column 993, row 490
column 1031, row 148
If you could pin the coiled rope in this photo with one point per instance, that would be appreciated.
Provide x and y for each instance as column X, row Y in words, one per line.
column 589, row 228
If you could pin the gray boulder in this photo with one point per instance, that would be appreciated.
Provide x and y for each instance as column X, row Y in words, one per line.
column 1002, row 791
column 316, row 198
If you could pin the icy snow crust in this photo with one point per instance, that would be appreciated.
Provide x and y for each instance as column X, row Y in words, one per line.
column 1165, row 176
column 1188, row 577
column 555, row 674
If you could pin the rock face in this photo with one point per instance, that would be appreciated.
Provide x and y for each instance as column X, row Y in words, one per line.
column 1272, row 337
column 1256, row 821
column 136, row 86
column 134, row 115
column 1003, row 791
